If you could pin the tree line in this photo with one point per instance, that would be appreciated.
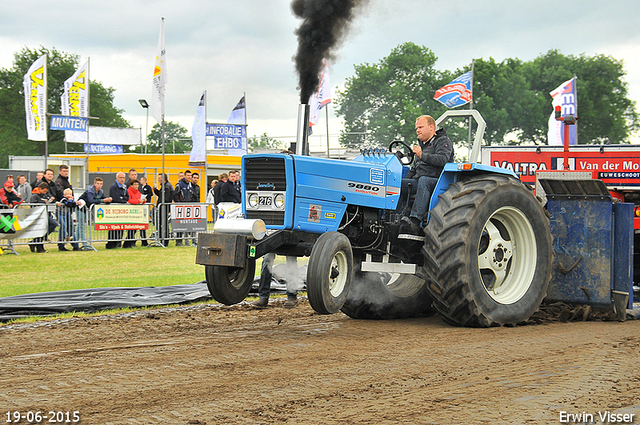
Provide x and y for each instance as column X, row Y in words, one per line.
column 380, row 102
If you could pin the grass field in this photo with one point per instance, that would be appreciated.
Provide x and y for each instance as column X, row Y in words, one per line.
column 29, row 272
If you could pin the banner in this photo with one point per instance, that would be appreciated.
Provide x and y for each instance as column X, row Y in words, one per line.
column 239, row 116
column 190, row 218
column 159, row 79
column 321, row 97
column 565, row 96
column 59, row 122
column 102, row 148
column 75, row 101
column 24, row 223
column 457, row 92
column 198, row 155
column 228, row 136
column 121, row 217
column 35, row 100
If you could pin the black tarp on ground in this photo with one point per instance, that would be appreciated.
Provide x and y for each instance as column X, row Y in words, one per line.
column 96, row 299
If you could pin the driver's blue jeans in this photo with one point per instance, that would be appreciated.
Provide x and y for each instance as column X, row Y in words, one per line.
column 424, row 188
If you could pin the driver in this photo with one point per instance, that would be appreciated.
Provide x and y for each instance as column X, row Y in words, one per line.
column 434, row 149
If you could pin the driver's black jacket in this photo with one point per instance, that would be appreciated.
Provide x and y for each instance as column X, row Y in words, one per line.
column 436, row 152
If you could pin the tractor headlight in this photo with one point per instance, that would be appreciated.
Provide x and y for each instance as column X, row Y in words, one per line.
column 253, row 200
column 279, row 201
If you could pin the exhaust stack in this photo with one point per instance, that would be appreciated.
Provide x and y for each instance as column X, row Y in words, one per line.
column 302, row 139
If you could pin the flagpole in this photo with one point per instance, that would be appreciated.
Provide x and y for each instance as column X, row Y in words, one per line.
column 246, row 133
column 473, row 62
column 206, row 153
column 88, row 110
column 46, row 133
column 327, row 111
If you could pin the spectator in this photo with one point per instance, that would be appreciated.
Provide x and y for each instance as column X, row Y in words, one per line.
column 162, row 190
column 65, row 213
column 217, row 196
column 39, row 177
column 211, row 198
column 237, row 184
column 62, row 181
column 62, row 184
column 8, row 197
column 183, row 192
column 135, row 197
column 228, row 192
column 40, row 195
column 24, row 189
column 48, row 179
column 10, row 178
column 133, row 175
column 92, row 196
column 195, row 196
column 147, row 194
column 118, row 194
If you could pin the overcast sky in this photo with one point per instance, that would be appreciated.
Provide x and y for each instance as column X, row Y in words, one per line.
column 233, row 47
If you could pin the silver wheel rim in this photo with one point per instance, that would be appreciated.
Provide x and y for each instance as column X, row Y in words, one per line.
column 339, row 264
column 507, row 255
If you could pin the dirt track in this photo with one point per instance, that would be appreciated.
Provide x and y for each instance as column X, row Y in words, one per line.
column 228, row 365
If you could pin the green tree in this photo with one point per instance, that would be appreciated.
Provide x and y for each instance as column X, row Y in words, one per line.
column 381, row 102
column 60, row 66
column 263, row 142
column 606, row 114
column 175, row 139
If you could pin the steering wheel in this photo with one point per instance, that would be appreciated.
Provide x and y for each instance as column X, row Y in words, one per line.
column 403, row 151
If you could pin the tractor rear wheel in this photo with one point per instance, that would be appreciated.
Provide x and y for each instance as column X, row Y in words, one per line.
column 329, row 272
column 230, row 285
column 488, row 252
column 383, row 296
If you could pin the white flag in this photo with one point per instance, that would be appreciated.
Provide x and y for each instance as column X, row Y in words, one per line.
column 566, row 97
column 75, row 101
column 199, row 137
column 159, row 79
column 35, row 99
column 321, row 97
column 239, row 116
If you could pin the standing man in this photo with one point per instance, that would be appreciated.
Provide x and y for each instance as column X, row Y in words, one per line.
column 217, row 190
column 92, row 196
column 195, row 197
column 118, row 194
column 48, row 179
column 64, row 211
column 161, row 211
column 432, row 152
column 266, row 275
column 147, row 193
column 183, row 193
column 229, row 192
column 39, row 177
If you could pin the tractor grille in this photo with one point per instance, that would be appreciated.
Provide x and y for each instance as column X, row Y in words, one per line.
column 266, row 174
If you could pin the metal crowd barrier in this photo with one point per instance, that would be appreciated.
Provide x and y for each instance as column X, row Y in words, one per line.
column 75, row 229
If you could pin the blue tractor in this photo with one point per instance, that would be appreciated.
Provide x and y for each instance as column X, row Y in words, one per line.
column 485, row 258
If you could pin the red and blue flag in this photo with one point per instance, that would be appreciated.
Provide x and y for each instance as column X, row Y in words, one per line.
column 457, row 92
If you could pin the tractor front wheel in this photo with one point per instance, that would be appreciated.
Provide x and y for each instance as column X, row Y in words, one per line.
column 329, row 272
column 230, row 285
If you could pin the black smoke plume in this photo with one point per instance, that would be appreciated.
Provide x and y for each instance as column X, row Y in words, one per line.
column 324, row 23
